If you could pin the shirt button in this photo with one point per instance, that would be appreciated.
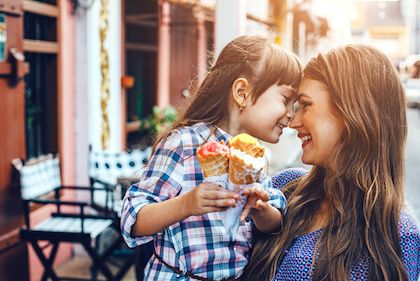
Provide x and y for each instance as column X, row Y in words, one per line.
column 234, row 248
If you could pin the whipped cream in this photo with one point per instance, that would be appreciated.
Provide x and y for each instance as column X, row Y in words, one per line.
column 256, row 163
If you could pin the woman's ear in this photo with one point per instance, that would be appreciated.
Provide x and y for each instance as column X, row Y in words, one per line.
column 241, row 92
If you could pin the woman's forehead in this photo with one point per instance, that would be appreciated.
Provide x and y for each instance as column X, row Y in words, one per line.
column 307, row 86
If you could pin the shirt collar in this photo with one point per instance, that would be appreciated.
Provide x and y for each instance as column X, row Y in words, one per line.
column 206, row 129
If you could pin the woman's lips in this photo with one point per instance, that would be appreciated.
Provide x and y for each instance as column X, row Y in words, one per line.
column 305, row 138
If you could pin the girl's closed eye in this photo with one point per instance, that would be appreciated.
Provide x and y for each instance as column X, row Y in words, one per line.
column 288, row 98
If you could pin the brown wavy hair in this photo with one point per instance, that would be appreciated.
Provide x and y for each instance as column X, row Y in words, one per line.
column 255, row 58
column 364, row 189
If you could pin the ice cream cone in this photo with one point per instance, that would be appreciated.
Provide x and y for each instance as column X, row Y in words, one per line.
column 247, row 144
column 246, row 159
column 214, row 165
column 214, row 159
column 242, row 171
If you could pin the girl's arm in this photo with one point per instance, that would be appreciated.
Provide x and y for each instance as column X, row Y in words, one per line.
column 202, row 199
column 266, row 217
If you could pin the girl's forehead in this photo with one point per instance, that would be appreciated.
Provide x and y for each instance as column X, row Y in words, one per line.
column 290, row 89
column 287, row 87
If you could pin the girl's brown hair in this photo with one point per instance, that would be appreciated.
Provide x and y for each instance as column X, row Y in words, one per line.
column 365, row 188
column 255, row 58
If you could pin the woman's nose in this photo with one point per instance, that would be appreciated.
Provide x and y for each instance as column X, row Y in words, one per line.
column 295, row 122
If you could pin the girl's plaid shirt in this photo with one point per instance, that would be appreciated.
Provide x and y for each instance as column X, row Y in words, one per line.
column 197, row 244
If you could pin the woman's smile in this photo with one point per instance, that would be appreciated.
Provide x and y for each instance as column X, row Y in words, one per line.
column 305, row 138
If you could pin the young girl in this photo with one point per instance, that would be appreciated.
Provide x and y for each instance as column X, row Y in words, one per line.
column 250, row 89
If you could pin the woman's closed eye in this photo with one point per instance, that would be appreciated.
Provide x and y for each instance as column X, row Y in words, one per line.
column 302, row 105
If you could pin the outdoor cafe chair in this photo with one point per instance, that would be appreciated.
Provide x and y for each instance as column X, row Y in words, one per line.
column 72, row 221
column 119, row 171
column 115, row 171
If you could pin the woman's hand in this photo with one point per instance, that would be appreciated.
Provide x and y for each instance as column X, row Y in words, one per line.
column 257, row 200
column 207, row 198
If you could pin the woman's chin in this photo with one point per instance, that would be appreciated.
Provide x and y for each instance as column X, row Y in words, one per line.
column 307, row 160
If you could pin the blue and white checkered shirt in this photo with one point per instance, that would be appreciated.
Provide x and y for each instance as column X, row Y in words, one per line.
column 197, row 244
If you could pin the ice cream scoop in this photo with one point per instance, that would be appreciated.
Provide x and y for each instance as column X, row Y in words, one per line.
column 213, row 158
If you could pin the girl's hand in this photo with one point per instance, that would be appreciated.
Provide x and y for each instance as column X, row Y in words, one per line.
column 257, row 200
column 207, row 198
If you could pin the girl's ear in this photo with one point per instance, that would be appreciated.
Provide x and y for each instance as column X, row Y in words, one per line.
column 240, row 92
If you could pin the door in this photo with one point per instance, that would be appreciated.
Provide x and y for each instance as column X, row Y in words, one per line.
column 13, row 261
column 12, row 142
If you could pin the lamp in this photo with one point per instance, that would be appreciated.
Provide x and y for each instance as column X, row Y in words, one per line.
column 81, row 5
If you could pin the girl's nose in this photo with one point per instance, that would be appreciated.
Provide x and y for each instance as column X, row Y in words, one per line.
column 290, row 113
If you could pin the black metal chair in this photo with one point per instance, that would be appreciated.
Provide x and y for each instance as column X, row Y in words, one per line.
column 105, row 170
column 119, row 170
column 40, row 183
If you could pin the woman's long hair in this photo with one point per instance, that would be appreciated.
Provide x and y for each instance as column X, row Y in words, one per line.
column 255, row 58
column 364, row 188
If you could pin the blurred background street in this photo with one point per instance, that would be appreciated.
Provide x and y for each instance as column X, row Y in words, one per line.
column 87, row 85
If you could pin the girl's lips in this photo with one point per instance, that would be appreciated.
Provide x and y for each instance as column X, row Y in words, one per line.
column 280, row 125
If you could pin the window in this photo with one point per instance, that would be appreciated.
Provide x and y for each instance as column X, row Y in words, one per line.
column 141, row 27
column 41, row 48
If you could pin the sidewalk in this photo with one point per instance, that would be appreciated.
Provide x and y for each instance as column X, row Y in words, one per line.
column 79, row 267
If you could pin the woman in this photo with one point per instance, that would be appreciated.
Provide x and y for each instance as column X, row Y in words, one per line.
column 345, row 219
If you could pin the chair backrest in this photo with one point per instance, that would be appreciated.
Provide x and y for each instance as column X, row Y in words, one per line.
column 108, row 167
column 38, row 176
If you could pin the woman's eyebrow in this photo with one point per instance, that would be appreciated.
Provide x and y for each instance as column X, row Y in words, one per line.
column 302, row 95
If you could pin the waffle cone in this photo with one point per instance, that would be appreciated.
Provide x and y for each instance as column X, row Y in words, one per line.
column 249, row 148
column 214, row 165
column 247, row 144
column 241, row 173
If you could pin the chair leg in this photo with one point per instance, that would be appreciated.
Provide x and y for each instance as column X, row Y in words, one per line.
column 97, row 262
column 50, row 260
column 47, row 263
column 94, row 266
column 94, row 272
